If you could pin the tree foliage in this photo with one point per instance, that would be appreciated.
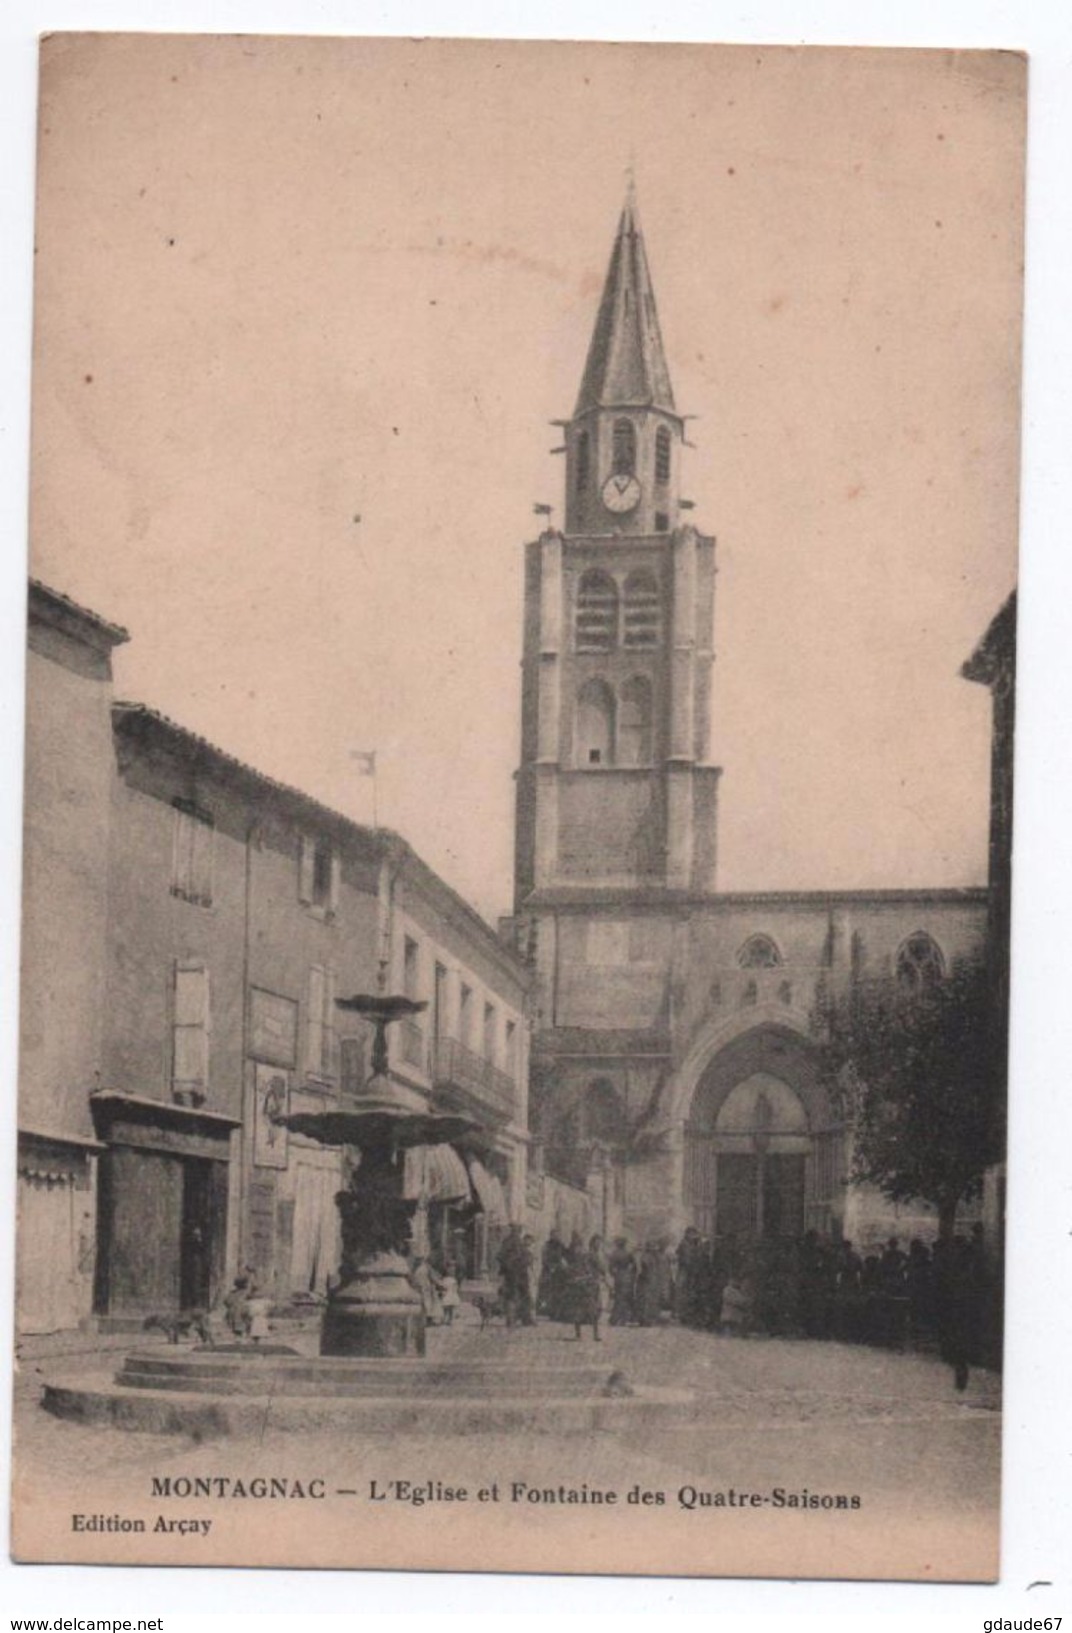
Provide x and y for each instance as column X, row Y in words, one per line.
column 916, row 1075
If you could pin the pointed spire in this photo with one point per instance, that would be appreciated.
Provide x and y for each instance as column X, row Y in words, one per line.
column 626, row 364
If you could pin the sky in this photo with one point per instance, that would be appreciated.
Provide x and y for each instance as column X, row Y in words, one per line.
column 304, row 310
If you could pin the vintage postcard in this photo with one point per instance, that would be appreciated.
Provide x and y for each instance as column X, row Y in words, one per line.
column 521, row 649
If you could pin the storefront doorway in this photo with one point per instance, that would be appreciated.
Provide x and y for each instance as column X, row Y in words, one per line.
column 161, row 1207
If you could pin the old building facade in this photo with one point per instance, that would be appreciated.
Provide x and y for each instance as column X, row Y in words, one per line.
column 190, row 923
column 676, row 1077
column 64, row 953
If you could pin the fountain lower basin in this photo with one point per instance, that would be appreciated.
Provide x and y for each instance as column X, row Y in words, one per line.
column 210, row 1393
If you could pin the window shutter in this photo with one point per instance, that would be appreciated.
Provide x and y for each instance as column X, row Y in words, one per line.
column 180, row 854
column 306, row 870
column 201, row 861
column 191, row 1027
column 333, row 889
column 352, row 1065
column 328, row 1045
column 314, row 1023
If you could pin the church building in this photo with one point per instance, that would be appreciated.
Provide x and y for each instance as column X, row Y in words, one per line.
column 675, row 1075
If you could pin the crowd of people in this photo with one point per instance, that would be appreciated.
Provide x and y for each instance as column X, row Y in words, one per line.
column 939, row 1295
column 925, row 1297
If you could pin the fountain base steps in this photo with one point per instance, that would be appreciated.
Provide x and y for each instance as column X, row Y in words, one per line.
column 205, row 1393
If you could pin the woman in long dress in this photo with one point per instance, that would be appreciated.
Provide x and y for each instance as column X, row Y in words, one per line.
column 423, row 1280
column 588, row 1287
column 652, row 1284
column 623, row 1271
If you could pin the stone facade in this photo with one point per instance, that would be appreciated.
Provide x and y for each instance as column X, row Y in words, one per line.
column 64, row 933
column 189, row 924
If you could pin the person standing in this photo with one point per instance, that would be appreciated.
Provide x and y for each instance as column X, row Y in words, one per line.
column 552, row 1277
column 623, row 1274
column 513, row 1276
column 528, row 1265
column 450, row 1296
column 423, row 1280
column 689, row 1255
column 588, row 1288
column 652, row 1284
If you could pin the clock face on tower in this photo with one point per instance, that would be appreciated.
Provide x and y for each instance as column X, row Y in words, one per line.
column 621, row 494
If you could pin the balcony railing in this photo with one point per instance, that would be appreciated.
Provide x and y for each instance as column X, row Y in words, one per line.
column 456, row 1067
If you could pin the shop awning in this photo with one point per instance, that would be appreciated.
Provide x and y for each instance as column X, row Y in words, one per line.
column 490, row 1193
column 435, row 1173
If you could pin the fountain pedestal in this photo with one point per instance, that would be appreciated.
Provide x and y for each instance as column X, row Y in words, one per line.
column 377, row 1312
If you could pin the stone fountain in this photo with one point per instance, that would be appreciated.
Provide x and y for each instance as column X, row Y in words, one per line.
column 375, row 1310
column 371, row 1376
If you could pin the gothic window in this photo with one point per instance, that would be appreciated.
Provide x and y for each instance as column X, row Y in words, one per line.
column 920, row 965
column 602, row 1116
column 583, row 446
column 785, row 993
column 662, row 455
column 597, row 612
column 643, row 613
column 759, row 953
column 749, row 995
column 594, row 736
column 624, row 447
column 634, row 722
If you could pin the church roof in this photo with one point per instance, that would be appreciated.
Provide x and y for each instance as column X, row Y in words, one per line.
column 626, row 364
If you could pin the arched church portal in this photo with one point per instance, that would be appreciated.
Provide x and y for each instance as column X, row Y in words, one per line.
column 757, row 1123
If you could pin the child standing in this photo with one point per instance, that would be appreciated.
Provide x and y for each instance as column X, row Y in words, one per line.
column 448, row 1292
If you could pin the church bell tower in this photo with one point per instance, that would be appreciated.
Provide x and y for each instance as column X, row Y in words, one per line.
column 615, row 794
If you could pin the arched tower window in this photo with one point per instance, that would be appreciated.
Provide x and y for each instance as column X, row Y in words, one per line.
column 920, row 965
column 603, row 1118
column 582, row 462
column 624, row 448
column 643, row 613
column 759, row 952
column 594, row 735
column 662, row 455
column 597, row 612
column 634, row 722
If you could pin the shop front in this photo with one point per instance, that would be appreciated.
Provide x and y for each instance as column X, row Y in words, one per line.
column 161, row 1206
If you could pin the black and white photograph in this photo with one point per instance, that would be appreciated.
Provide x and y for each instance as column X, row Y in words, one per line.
column 521, row 659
